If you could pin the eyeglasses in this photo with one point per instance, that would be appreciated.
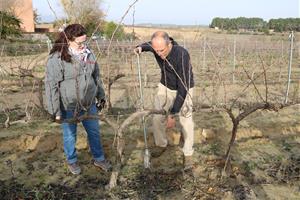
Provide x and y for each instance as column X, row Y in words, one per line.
column 83, row 43
column 161, row 50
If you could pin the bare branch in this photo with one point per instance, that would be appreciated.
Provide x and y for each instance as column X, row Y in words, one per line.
column 247, row 111
column 265, row 76
column 115, row 78
column 122, row 18
column 52, row 10
column 253, row 84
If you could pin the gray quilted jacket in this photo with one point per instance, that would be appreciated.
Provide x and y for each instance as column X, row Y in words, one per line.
column 71, row 85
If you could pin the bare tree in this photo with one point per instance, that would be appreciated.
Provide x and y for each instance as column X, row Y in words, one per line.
column 83, row 11
column 24, row 69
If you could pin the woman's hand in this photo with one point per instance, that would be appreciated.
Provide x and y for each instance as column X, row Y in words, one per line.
column 58, row 119
column 100, row 104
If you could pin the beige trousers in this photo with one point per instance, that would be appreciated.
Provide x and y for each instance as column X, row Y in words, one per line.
column 164, row 99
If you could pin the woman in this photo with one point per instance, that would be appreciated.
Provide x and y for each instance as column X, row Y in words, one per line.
column 73, row 87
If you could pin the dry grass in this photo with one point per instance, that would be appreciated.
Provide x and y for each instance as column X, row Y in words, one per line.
column 189, row 34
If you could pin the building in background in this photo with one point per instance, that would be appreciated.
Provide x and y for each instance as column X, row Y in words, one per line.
column 44, row 28
column 23, row 9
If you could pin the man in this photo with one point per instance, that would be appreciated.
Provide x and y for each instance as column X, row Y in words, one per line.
column 174, row 93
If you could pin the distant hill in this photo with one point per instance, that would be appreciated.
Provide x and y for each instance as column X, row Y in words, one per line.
column 167, row 25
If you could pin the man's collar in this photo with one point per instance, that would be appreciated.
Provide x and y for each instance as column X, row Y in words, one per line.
column 171, row 51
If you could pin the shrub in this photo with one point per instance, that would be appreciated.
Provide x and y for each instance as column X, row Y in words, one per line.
column 10, row 25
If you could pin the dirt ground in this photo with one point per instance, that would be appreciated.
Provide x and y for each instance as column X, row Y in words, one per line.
column 265, row 162
column 265, row 159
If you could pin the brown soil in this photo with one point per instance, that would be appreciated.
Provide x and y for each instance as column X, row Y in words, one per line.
column 265, row 162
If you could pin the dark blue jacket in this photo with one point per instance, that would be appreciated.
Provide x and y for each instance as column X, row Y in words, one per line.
column 179, row 59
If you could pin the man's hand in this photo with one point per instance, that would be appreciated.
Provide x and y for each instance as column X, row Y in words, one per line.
column 171, row 121
column 137, row 50
column 100, row 104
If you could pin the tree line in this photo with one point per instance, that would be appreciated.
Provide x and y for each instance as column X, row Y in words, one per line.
column 256, row 24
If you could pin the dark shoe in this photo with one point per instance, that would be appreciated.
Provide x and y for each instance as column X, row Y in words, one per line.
column 157, row 151
column 188, row 162
column 74, row 168
column 104, row 165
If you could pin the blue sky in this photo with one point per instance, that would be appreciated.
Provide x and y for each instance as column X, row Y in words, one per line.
column 189, row 12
